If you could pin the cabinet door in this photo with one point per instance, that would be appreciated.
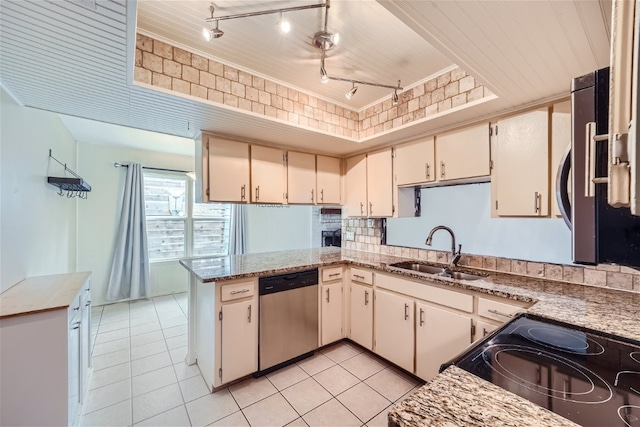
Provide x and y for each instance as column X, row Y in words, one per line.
column 560, row 143
column 463, row 153
column 267, row 175
column 440, row 335
column 394, row 328
column 361, row 327
column 331, row 297
column 228, row 171
column 239, row 336
column 301, row 178
column 380, row 184
column 522, row 164
column 328, row 180
column 483, row 329
column 414, row 162
column 355, row 202
column 74, row 368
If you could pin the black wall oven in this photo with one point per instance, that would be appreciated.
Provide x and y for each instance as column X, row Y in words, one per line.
column 588, row 377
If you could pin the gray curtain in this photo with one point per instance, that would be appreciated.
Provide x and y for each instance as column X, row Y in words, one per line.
column 130, row 269
column 238, row 231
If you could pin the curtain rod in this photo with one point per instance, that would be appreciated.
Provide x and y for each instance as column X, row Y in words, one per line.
column 120, row 165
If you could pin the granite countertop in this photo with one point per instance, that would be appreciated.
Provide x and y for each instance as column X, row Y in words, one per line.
column 455, row 397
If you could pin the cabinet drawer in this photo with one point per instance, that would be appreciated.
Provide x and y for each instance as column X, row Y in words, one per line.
column 426, row 292
column 497, row 310
column 331, row 274
column 362, row 276
column 237, row 290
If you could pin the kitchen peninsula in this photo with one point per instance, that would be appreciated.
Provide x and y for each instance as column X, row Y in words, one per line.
column 610, row 311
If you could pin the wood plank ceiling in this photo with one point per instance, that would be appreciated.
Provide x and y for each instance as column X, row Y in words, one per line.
column 71, row 58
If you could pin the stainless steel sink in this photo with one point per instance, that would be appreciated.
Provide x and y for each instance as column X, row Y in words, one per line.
column 437, row 271
column 415, row 266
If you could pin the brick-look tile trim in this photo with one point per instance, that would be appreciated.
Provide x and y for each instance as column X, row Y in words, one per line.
column 171, row 68
column 603, row 275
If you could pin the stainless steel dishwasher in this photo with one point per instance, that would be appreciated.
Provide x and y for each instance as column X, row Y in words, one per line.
column 288, row 319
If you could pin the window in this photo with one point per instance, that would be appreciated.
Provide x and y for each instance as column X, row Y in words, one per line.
column 177, row 227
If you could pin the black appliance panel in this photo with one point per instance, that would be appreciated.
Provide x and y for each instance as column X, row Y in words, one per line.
column 588, row 377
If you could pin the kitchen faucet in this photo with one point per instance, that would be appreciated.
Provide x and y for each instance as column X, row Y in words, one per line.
column 455, row 256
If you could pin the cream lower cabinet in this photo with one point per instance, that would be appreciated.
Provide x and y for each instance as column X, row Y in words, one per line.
column 394, row 328
column 483, row 329
column 331, row 312
column 226, row 330
column 239, row 340
column 361, row 307
column 440, row 335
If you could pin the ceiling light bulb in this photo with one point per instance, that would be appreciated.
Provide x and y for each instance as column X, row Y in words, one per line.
column 206, row 33
column 324, row 78
column 335, row 38
column 351, row 92
column 284, row 24
column 394, row 97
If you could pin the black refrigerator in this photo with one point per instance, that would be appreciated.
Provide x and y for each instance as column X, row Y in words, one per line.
column 600, row 232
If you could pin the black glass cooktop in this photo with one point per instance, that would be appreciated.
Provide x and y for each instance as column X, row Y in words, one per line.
column 589, row 378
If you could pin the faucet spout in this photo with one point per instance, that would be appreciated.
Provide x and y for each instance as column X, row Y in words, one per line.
column 455, row 255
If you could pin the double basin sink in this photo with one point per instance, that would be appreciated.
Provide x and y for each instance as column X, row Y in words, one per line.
column 436, row 271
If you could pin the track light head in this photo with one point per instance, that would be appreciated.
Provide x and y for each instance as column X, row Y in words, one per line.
column 212, row 34
column 284, row 24
column 351, row 92
column 394, row 97
column 324, row 77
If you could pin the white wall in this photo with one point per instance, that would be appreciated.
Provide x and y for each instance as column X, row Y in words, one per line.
column 466, row 210
column 37, row 227
column 278, row 228
column 98, row 216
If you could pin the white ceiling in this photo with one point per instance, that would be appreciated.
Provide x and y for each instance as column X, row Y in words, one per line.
column 71, row 58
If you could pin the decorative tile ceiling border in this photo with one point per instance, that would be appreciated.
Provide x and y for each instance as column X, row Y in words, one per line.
column 174, row 69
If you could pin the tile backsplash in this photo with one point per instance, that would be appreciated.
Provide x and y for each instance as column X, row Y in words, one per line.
column 367, row 238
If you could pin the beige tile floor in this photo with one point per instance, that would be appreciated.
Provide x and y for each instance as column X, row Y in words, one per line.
column 140, row 378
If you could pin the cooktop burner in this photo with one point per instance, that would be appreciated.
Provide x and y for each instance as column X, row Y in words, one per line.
column 590, row 378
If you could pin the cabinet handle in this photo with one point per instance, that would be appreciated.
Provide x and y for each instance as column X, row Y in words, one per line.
column 257, row 193
column 76, row 326
column 421, row 317
column 88, row 304
column 241, row 291
column 361, row 208
column 249, row 317
column 366, row 297
column 334, row 274
column 441, row 169
column 484, row 332
column 535, row 202
column 357, row 276
column 370, row 208
column 322, row 195
column 328, row 299
column 406, row 311
column 500, row 313
column 312, row 195
column 76, row 308
column 428, row 172
column 242, row 192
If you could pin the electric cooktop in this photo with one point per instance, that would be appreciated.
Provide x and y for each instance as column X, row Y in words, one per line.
column 588, row 377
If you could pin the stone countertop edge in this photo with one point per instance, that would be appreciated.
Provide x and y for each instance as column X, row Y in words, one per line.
column 456, row 398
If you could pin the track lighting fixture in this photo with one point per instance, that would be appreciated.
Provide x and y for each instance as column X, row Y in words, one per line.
column 394, row 97
column 324, row 77
column 212, row 34
column 351, row 92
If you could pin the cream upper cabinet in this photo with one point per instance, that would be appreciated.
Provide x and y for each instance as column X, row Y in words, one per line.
column 361, row 312
column 463, row 153
column 414, row 163
column 440, row 335
column 560, row 143
column 394, row 328
column 329, row 182
column 331, row 312
column 522, row 165
column 224, row 168
column 379, row 184
column 267, row 175
column 301, row 178
column 355, row 203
